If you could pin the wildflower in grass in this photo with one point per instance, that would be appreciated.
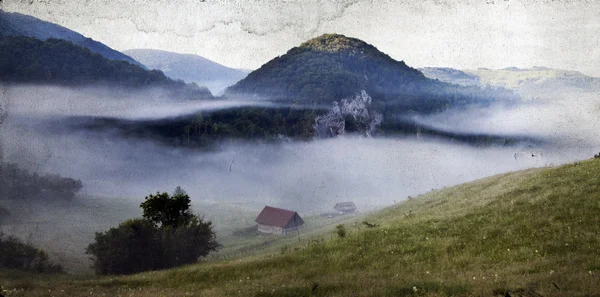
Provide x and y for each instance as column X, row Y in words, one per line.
column 551, row 272
column 415, row 289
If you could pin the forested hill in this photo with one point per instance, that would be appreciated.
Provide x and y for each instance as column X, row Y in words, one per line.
column 12, row 23
column 332, row 66
column 54, row 61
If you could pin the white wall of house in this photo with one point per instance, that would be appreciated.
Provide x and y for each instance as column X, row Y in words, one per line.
column 270, row 229
column 275, row 230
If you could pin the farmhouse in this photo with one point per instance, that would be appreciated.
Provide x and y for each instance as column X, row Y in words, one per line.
column 278, row 221
column 345, row 207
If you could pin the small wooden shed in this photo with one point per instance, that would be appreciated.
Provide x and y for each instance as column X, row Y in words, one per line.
column 278, row 221
column 347, row 207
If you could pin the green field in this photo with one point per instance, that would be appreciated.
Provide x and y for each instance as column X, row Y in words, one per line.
column 529, row 233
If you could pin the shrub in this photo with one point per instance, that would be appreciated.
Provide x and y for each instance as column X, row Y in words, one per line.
column 168, row 235
column 15, row 254
column 133, row 246
column 341, row 230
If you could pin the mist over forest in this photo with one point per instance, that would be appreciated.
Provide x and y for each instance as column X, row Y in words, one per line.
column 305, row 175
column 332, row 120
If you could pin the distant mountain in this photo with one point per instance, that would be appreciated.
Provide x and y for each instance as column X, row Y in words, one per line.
column 536, row 79
column 328, row 86
column 55, row 61
column 189, row 68
column 331, row 67
column 529, row 82
column 20, row 24
column 451, row 75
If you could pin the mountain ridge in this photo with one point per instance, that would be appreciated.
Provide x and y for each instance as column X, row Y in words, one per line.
column 26, row 59
column 13, row 23
column 189, row 68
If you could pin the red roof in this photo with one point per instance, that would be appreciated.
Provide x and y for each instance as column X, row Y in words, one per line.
column 279, row 217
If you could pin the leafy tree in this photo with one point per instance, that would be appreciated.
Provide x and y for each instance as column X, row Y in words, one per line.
column 167, row 236
column 187, row 243
column 167, row 211
column 179, row 191
column 133, row 246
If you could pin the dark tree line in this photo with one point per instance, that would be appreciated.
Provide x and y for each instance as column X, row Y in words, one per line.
column 55, row 61
column 18, row 183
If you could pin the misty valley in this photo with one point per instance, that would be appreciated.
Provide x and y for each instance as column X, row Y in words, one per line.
column 333, row 169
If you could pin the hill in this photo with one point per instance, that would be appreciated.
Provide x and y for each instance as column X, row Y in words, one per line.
column 527, row 233
column 332, row 67
column 528, row 82
column 56, row 61
column 189, row 68
column 20, row 24
column 451, row 75
column 327, row 86
column 536, row 80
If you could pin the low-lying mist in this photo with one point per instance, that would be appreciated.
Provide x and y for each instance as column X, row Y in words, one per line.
column 95, row 101
column 307, row 176
column 569, row 120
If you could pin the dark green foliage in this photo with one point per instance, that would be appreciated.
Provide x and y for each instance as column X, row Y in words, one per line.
column 187, row 243
column 17, row 183
column 250, row 123
column 133, row 246
column 597, row 155
column 169, row 235
column 15, row 254
column 56, row 61
column 163, row 210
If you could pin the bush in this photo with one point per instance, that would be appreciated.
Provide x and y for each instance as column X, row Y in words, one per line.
column 597, row 156
column 18, row 183
column 15, row 254
column 168, row 235
column 133, row 246
column 341, row 230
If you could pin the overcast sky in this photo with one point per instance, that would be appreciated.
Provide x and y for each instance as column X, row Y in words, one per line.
column 246, row 34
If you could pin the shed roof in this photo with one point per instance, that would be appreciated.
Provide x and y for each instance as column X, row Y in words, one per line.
column 278, row 217
column 345, row 205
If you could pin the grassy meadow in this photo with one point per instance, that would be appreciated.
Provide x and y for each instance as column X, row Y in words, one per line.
column 529, row 233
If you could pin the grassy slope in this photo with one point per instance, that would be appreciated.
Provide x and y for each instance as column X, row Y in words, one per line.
column 534, row 232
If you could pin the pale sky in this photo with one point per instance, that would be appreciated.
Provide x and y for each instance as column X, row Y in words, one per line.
column 246, row 34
